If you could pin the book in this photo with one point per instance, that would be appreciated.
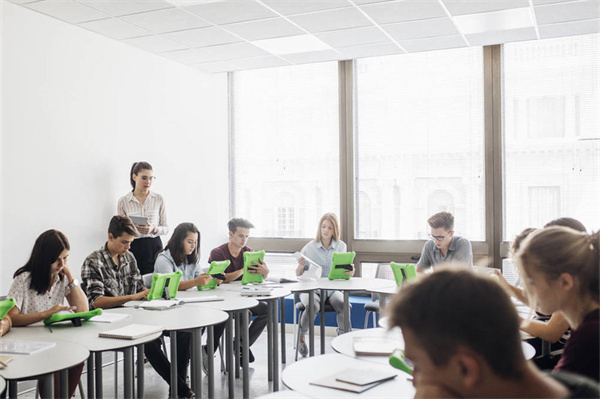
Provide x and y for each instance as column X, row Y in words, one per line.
column 207, row 298
column 132, row 331
column 254, row 290
column 362, row 377
column 24, row 347
column 159, row 304
column 109, row 317
column 374, row 346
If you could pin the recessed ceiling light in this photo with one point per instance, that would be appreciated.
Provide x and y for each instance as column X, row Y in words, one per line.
column 292, row 44
column 514, row 18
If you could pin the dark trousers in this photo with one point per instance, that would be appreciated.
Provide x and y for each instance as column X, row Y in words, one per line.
column 145, row 251
column 254, row 330
column 161, row 364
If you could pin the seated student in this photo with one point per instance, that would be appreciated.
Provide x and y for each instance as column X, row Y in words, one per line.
column 560, row 267
column 320, row 250
column 461, row 333
column 111, row 278
column 444, row 246
column 239, row 231
column 41, row 286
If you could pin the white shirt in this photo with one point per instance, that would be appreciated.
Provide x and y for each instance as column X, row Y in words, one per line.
column 29, row 301
column 153, row 209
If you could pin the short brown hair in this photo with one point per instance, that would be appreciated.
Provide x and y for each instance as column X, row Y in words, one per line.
column 121, row 224
column 332, row 217
column 454, row 307
column 516, row 244
column 234, row 223
column 442, row 220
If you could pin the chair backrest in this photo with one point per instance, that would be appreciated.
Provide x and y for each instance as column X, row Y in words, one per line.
column 403, row 272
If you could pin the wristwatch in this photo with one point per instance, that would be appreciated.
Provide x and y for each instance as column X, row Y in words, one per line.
column 75, row 283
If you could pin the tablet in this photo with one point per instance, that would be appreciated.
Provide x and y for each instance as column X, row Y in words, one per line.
column 403, row 272
column 74, row 318
column 139, row 220
column 249, row 257
column 340, row 263
column 170, row 281
column 5, row 306
column 215, row 270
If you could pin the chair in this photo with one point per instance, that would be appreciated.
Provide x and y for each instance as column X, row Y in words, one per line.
column 373, row 305
column 403, row 272
column 301, row 308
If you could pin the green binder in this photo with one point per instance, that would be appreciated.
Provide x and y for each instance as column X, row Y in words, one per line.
column 340, row 263
column 216, row 270
column 159, row 281
column 250, row 257
column 74, row 318
column 397, row 360
column 5, row 306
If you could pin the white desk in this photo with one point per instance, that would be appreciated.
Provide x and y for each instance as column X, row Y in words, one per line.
column 298, row 376
column 42, row 365
column 384, row 293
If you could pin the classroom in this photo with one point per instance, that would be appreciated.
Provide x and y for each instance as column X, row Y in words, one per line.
column 382, row 112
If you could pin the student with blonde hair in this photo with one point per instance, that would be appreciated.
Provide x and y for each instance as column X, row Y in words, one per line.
column 560, row 267
column 321, row 250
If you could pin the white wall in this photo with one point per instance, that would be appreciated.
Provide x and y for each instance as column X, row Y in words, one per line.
column 77, row 110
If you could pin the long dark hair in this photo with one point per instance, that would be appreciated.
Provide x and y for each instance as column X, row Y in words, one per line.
column 175, row 245
column 46, row 250
column 136, row 168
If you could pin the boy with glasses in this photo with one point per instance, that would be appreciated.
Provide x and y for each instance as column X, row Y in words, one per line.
column 444, row 245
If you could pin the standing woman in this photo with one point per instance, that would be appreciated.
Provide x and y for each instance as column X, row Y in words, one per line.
column 321, row 250
column 143, row 202
column 561, row 267
column 41, row 286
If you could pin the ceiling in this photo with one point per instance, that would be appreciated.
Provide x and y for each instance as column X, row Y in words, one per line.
column 231, row 35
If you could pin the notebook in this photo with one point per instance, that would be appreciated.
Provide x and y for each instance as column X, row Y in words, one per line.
column 354, row 380
column 132, row 331
column 374, row 346
column 207, row 298
column 24, row 347
column 159, row 304
column 255, row 290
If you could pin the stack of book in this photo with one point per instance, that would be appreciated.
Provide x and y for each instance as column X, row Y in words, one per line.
column 255, row 290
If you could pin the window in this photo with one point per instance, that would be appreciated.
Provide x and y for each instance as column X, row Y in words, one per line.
column 285, row 148
column 419, row 142
column 551, row 133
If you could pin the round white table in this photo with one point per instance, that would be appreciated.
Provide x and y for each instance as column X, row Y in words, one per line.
column 298, row 376
column 43, row 364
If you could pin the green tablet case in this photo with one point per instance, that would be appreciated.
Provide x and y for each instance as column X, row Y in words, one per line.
column 403, row 272
column 398, row 361
column 340, row 263
column 5, row 306
column 250, row 257
column 75, row 318
column 158, row 285
column 215, row 268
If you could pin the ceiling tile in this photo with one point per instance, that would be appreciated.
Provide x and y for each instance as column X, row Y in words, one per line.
column 260, row 62
column 155, row 44
column 589, row 26
column 216, row 67
column 115, row 28
column 514, row 18
column 231, row 51
column 421, row 29
column 543, row 2
column 353, row 37
column 372, row 50
column 292, row 7
column 170, row 20
column 461, row 7
column 331, row 20
column 22, row 1
column 313, row 56
column 405, row 10
column 433, row 43
column 230, row 11
column 564, row 12
column 188, row 56
column 124, row 7
column 67, row 10
column 264, row 29
column 203, row 37
column 499, row 37
column 359, row 2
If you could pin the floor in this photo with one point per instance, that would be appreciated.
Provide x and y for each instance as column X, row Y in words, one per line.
column 155, row 387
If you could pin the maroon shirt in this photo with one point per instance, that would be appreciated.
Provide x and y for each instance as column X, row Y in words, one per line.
column 222, row 253
column 581, row 355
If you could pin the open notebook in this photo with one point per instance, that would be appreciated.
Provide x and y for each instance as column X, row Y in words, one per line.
column 132, row 331
column 354, row 380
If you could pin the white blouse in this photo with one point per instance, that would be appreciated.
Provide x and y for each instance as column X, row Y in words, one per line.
column 29, row 301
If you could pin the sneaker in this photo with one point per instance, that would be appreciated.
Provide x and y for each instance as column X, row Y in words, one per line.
column 303, row 349
column 204, row 360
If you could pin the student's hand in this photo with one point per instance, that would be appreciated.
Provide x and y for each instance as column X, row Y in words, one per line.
column 147, row 229
column 203, row 279
column 57, row 308
column 501, row 280
column 142, row 295
column 350, row 272
column 259, row 268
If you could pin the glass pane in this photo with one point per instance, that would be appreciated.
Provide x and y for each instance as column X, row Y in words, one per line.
column 551, row 132
column 286, row 148
column 419, row 143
